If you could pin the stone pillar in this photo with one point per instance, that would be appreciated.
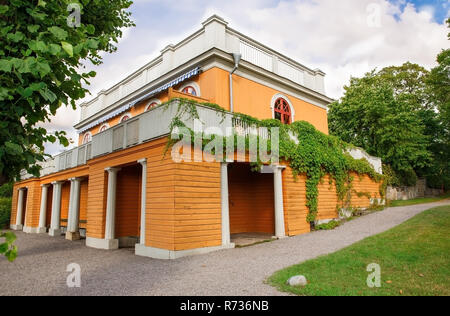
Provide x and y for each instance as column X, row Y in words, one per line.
column 280, row 231
column 143, row 162
column 225, row 204
column 73, row 232
column 55, row 226
column 19, row 215
column 111, row 209
column 42, row 229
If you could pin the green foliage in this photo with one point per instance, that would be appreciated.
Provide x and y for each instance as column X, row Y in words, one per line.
column 5, row 211
column 413, row 259
column 328, row 226
column 389, row 114
column 315, row 155
column 7, row 247
column 41, row 67
column 438, row 175
column 6, row 190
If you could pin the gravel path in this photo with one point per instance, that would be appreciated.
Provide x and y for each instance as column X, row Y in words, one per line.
column 40, row 268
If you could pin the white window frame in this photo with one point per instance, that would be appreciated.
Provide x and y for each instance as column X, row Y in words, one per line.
column 194, row 85
column 278, row 96
column 157, row 101
column 126, row 114
column 103, row 125
column 84, row 137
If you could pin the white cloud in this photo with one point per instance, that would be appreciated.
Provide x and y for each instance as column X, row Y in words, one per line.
column 331, row 35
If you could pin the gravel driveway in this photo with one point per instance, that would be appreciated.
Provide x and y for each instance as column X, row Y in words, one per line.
column 40, row 268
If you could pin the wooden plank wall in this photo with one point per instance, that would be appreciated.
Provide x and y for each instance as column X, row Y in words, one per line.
column 33, row 204
column 128, row 201
column 294, row 197
column 251, row 200
column 83, row 202
column 197, row 206
column 65, row 196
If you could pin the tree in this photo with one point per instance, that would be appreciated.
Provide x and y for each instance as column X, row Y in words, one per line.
column 43, row 52
column 439, row 91
column 384, row 113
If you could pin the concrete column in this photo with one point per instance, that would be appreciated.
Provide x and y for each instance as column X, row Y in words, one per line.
column 73, row 232
column 225, row 204
column 42, row 229
column 19, row 215
column 111, row 208
column 280, row 231
column 143, row 162
column 55, row 226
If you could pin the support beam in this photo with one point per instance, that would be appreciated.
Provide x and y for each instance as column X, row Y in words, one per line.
column 73, row 231
column 280, row 230
column 143, row 162
column 19, row 215
column 42, row 229
column 226, row 239
column 55, row 226
column 111, row 209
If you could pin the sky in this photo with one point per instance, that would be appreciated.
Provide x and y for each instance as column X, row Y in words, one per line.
column 343, row 38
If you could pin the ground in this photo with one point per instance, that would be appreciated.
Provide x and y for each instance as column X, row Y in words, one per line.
column 41, row 266
column 413, row 259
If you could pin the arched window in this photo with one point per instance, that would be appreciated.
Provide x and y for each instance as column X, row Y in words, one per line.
column 87, row 138
column 152, row 104
column 125, row 118
column 190, row 90
column 282, row 110
column 103, row 128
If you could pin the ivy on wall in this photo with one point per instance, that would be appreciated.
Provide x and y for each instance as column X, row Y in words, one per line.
column 315, row 155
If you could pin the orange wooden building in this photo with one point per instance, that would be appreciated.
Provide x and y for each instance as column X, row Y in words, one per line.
column 119, row 189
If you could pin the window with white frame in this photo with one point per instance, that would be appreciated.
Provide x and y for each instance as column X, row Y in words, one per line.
column 103, row 128
column 191, row 88
column 125, row 118
column 282, row 109
column 152, row 104
column 87, row 138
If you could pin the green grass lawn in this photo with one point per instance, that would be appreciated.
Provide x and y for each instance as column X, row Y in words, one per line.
column 418, row 201
column 414, row 259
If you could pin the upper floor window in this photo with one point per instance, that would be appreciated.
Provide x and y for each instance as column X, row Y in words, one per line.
column 152, row 104
column 191, row 88
column 282, row 109
column 103, row 128
column 87, row 138
column 125, row 118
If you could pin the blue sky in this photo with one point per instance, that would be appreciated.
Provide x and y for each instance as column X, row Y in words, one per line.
column 337, row 36
column 440, row 7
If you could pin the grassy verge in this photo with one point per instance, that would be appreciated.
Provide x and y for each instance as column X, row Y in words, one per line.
column 418, row 201
column 414, row 259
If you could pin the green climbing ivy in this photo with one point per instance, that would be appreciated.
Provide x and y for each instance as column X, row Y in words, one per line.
column 315, row 154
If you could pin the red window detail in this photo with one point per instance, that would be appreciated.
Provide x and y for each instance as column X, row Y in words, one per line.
column 103, row 128
column 125, row 118
column 151, row 105
column 87, row 138
column 189, row 90
column 283, row 111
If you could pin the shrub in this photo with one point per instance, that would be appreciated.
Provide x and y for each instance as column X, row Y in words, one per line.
column 5, row 212
column 6, row 190
column 328, row 226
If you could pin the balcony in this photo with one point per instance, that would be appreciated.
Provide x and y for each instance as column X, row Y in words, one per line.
column 154, row 124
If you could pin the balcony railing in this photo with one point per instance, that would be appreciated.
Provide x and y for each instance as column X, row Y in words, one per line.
column 154, row 124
